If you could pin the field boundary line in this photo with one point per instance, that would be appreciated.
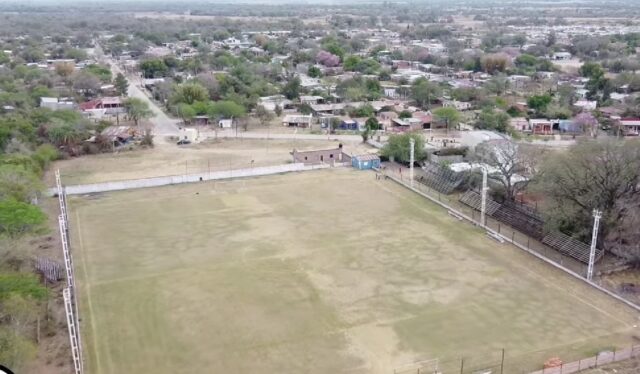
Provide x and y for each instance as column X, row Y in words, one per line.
column 88, row 293
column 518, row 245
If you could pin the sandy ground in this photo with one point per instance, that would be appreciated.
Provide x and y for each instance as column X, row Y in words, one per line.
column 169, row 159
column 319, row 272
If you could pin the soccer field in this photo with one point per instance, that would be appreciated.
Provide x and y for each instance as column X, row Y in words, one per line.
column 320, row 272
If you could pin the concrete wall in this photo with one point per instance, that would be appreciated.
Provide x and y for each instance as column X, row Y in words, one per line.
column 187, row 178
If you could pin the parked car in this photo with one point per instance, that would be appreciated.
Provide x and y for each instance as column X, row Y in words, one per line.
column 183, row 142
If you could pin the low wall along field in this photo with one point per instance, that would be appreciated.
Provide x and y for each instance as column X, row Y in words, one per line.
column 321, row 272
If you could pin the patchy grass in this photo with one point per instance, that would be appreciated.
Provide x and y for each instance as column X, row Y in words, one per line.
column 321, row 272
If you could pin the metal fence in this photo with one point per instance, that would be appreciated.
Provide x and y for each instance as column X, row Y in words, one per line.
column 504, row 362
column 189, row 178
column 501, row 362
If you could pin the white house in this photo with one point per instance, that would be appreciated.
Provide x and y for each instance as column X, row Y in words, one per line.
column 586, row 104
column 561, row 56
column 225, row 123
column 459, row 105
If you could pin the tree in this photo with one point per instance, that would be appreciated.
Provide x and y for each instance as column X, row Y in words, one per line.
column 494, row 63
column 327, row 59
column 189, row 93
column 292, row 89
column 154, row 68
column 64, row 69
column 587, row 122
column 602, row 175
column 539, row 102
column 227, row 109
column 351, row 62
column 186, row 112
column 277, row 110
column 450, row 116
column 372, row 124
column 493, row 120
column 424, row 92
column 18, row 184
column 516, row 164
column 86, row 82
column 18, row 218
column 263, row 114
column 398, row 147
column 497, row 85
column 121, row 84
column 314, row 72
column 137, row 109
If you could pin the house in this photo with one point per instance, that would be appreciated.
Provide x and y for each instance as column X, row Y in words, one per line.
column 349, row 124
column 270, row 102
column 520, row 124
column 425, row 118
column 54, row 103
column 110, row 104
column 386, row 118
column 459, row 105
column 366, row 161
column 311, row 99
column 541, row 126
column 118, row 134
column 630, row 126
column 296, row 120
column 406, row 124
column 561, row 56
column 610, row 112
column 586, row 104
column 200, row 120
column 225, row 123
column 321, row 156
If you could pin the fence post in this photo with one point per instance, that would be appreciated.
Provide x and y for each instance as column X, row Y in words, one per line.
column 579, row 365
column 527, row 242
column 561, row 367
column 498, row 228
column 502, row 362
column 596, row 360
column 462, row 366
column 513, row 235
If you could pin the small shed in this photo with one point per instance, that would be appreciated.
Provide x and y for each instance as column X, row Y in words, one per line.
column 366, row 161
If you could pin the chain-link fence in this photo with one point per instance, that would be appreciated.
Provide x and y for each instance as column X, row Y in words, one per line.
column 573, row 360
column 506, row 362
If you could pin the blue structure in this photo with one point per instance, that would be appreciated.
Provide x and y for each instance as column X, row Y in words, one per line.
column 364, row 162
column 349, row 124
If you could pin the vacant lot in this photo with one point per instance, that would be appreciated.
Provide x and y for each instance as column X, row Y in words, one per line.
column 322, row 272
column 170, row 159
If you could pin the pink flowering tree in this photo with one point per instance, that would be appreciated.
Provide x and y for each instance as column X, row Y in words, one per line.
column 327, row 59
column 588, row 122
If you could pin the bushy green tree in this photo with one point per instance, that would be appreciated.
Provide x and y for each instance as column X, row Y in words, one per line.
column 447, row 115
column 18, row 218
column 424, row 92
column 137, row 109
column 398, row 147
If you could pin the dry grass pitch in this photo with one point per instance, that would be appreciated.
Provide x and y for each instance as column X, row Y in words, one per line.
column 321, row 272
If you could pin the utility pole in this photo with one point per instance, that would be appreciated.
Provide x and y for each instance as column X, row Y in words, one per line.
column 483, row 206
column 597, row 214
column 412, row 144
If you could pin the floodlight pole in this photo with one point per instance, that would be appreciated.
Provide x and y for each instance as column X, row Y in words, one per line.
column 412, row 144
column 597, row 214
column 483, row 206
